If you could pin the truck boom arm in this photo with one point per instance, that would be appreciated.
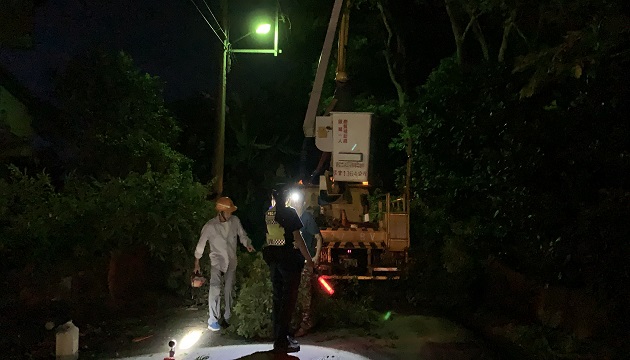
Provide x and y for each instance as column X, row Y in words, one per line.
column 322, row 67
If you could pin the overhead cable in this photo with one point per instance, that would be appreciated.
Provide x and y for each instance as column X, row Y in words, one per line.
column 207, row 22
column 214, row 17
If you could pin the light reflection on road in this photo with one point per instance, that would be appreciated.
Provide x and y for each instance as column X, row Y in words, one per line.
column 255, row 352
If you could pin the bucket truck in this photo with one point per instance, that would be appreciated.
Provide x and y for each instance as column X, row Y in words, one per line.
column 355, row 245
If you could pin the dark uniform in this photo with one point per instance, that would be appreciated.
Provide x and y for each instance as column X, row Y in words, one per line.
column 285, row 264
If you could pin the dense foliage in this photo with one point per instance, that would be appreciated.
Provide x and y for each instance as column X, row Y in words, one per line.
column 67, row 230
column 528, row 180
column 529, row 164
column 123, row 185
column 112, row 111
column 519, row 155
column 252, row 312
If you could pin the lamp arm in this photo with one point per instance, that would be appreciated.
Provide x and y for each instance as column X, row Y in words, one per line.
column 242, row 37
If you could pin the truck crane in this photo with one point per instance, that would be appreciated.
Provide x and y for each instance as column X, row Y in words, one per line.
column 354, row 246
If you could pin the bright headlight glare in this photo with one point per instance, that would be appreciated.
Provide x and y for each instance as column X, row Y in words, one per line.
column 295, row 197
column 190, row 339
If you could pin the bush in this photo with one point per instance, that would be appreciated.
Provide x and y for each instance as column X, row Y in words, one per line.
column 253, row 306
column 445, row 284
column 86, row 220
column 539, row 183
column 335, row 313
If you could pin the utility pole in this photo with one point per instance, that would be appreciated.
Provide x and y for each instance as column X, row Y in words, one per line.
column 218, row 160
column 219, row 145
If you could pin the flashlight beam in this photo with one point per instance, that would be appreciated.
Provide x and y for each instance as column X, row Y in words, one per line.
column 190, row 339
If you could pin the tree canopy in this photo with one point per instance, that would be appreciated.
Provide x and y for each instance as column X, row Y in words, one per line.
column 114, row 118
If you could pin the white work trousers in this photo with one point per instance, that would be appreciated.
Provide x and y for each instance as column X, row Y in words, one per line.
column 217, row 279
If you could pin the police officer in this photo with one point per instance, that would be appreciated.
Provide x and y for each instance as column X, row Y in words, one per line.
column 284, row 244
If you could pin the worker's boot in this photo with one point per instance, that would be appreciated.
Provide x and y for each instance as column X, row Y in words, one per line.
column 289, row 345
column 292, row 340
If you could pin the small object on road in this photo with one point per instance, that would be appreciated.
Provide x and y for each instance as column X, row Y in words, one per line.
column 67, row 341
column 171, row 352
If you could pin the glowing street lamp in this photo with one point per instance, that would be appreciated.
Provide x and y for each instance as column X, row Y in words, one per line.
column 263, row 29
column 260, row 29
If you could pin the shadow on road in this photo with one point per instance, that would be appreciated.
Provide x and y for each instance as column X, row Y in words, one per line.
column 268, row 355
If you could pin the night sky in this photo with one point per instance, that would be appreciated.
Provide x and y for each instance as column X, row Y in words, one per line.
column 167, row 38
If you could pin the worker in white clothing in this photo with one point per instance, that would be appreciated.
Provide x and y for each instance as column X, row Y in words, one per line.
column 221, row 233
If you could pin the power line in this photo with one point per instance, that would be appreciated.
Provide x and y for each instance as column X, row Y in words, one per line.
column 214, row 17
column 207, row 22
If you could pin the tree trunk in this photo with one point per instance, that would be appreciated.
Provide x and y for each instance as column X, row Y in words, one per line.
column 457, row 31
column 400, row 91
column 388, row 57
column 507, row 28
column 482, row 40
column 460, row 35
column 474, row 21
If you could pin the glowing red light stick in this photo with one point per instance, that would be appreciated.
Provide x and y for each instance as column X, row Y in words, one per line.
column 326, row 285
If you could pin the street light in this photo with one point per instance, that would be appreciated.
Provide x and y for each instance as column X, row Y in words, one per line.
column 219, row 151
column 263, row 28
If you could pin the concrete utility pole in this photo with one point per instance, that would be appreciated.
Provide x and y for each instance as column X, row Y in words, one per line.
column 219, row 145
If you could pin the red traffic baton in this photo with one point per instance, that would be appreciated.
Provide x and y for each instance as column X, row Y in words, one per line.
column 324, row 283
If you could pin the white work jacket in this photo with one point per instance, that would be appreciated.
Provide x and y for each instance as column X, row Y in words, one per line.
column 222, row 240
